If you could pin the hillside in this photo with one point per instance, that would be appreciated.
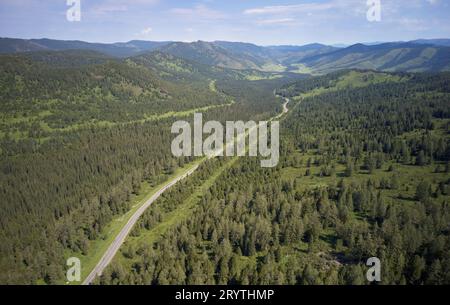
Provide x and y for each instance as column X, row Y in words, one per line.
column 71, row 89
column 437, row 42
column 68, row 58
column 294, row 54
column 175, row 68
column 232, row 55
column 238, row 55
column 385, row 57
column 364, row 171
column 85, row 139
column 416, row 56
column 10, row 45
column 82, row 143
column 211, row 54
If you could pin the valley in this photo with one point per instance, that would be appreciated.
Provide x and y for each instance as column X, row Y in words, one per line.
column 307, row 234
column 87, row 171
column 182, row 212
column 412, row 56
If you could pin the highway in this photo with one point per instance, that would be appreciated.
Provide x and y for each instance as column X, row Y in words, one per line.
column 118, row 241
column 120, row 238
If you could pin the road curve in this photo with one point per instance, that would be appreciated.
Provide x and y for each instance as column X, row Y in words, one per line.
column 285, row 108
column 120, row 238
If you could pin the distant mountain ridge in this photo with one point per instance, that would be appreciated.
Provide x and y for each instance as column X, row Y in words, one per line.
column 235, row 55
column 415, row 56
column 436, row 42
column 396, row 56
column 12, row 45
column 239, row 55
column 212, row 54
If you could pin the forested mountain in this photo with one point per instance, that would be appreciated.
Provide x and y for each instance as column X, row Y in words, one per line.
column 174, row 68
column 235, row 55
column 68, row 58
column 238, row 55
column 295, row 54
column 76, row 144
column 415, row 56
column 11, row 45
column 436, row 42
column 57, row 99
column 258, row 53
column 85, row 137
column 81, row 140
column 385, row 57
column 364, row 172
column 212, row 54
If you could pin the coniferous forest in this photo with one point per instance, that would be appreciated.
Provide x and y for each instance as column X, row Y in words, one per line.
column 85, row 139
column 364, row 172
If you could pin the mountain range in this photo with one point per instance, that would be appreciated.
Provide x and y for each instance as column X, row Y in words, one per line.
column 413, row 56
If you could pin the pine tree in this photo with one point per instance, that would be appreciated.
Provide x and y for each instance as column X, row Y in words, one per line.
column 423, row 191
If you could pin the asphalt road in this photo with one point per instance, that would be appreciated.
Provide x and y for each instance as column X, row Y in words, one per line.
column 285, row 108
column 120, row 238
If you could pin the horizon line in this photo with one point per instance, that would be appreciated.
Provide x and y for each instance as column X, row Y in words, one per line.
column 221, row 40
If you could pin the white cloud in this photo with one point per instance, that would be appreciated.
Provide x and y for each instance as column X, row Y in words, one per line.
column 297, row 8
column 109, row 6
column 199, row 12
column 132, row 2
column 276, row 21
column 104, row 9
column 327, row 9
column 146, row 31
column 412, row 24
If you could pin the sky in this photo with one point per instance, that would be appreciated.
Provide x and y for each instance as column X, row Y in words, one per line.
column 271, row 22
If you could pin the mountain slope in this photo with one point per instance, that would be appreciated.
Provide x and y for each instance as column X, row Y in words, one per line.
column 415, row 56
column 386, row 57
column 239, row 55
column 436, row 42
column 11, row 45
column 171, row 67
column 181, row 70
column 294, row 54
column 68, row 58
column 262, row 56
column 211, row 54
column 74, row 91
column 233, row 55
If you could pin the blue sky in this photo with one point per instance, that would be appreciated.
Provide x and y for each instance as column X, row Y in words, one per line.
column 261, row 22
